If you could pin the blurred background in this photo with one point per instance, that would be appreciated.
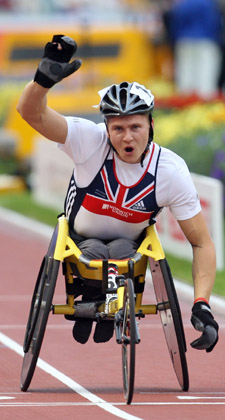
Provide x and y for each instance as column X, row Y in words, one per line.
column 174, row 47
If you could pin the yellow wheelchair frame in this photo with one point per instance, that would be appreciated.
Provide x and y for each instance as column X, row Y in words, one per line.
column 124, row 310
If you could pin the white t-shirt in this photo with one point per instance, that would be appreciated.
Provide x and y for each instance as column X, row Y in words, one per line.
column 87, row 146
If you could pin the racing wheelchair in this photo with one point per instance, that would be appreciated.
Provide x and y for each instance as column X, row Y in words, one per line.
column 124, row 309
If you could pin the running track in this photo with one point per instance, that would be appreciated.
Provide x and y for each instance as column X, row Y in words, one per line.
column 85, row 381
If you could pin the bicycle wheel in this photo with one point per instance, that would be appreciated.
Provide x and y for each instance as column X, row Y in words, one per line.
column 170, row 314
column 38, row 317
column 128, row 340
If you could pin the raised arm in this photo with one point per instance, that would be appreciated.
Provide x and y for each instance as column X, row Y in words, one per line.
column 33, row 108
column 54, row 66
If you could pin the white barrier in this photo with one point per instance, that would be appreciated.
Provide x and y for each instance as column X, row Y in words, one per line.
column 52, row 170
column 210, row 192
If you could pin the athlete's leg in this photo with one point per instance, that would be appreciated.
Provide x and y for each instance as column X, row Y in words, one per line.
column 92, row 249
column 118, row 249
column 96, row 249
column 122, row 248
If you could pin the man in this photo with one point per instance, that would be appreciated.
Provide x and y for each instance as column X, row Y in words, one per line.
column 121, row 180
column 194, row 28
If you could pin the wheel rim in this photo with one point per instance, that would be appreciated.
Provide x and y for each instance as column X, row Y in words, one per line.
column 31, row 356
column 169, row 310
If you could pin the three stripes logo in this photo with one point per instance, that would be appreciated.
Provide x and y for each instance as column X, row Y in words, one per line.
column 139, row 206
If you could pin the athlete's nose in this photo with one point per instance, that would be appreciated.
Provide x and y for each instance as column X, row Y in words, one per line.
column 127, row 135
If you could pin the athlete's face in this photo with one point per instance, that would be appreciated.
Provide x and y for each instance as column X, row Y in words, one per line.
column 129, row 136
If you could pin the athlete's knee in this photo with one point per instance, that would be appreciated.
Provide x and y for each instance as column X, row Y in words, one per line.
column 94, row 249
column 122, row 248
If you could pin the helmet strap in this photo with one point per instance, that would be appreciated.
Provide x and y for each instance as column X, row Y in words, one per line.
column 110, row 144
column 108, row 139
column 151, row 134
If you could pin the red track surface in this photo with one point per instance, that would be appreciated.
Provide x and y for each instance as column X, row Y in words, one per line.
column 95, row 367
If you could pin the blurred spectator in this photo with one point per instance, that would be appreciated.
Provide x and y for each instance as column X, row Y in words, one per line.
column 194, row 29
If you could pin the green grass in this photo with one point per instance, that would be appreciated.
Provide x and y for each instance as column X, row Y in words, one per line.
column 182, row 270
column 23, row 202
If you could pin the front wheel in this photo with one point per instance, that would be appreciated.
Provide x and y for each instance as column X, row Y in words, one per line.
column 128, row 340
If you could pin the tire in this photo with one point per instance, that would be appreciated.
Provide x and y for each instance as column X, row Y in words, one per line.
column 35, row 306
column 170, row 314
column 128, row 340
column 38, row 317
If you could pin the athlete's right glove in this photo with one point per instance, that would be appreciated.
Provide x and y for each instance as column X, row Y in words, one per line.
column 203, row 320
column 55, row 64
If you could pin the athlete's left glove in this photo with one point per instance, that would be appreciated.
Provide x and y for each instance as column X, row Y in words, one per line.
column 55, row 64
column 203, row 320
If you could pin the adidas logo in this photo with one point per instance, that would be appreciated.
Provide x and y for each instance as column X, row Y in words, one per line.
column 139, row 206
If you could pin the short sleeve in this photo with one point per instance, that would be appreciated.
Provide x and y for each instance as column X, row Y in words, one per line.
column 84, row 139
column 86, row 144
column 175, row 188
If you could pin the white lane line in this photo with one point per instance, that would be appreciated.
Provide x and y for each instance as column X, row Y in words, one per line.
column 93, row 399
column 27, row 223
column 6, row 398
column 191, row 397
column 208, row 393
column 13, row 345
column 199, row 394
column 101, row 405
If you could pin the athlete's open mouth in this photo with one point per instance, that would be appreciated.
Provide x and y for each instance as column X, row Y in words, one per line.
column 129, row 149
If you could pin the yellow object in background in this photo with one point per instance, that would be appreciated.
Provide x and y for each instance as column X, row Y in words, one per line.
column 110, row 55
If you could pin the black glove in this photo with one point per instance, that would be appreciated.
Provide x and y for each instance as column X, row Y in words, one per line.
column 202, row 320
column 55, row 65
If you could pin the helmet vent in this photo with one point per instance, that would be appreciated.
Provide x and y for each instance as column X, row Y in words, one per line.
column 123, row 99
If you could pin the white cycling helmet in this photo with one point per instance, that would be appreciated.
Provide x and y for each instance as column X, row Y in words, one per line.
column 126, row 99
